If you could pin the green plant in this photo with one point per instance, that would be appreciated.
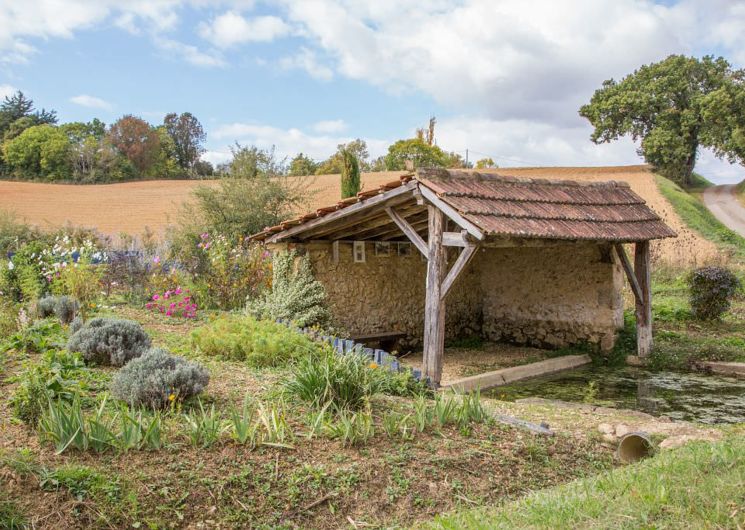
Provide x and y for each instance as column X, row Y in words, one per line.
column 157, row 379
column 711, row 291
column 11, row 516
column 205, row 426
column 261, row 343
column 445, row 409
column 244, row 428
column 396, row 425
column 295, row 295
column 58, row 376
column 471, row 409
column 110, row 341
column 81, row 481
column 63, row 423
column 276, row 430
column 352, row 428
column 591, row 392
column 138, row 430
column 423, row 416
column 350, row 173
column 345, row 381
column 39, row 337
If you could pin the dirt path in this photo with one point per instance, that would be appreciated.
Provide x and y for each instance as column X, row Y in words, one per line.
column 723, row 203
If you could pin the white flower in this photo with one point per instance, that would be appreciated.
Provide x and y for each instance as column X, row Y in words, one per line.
column 11, row 266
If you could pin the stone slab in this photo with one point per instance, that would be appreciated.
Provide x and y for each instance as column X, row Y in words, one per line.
column 722, row 368
column 518, row 373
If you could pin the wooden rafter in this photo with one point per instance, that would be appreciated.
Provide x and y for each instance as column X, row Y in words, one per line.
column 448, row 210
column 408, row 230
column 460, row 264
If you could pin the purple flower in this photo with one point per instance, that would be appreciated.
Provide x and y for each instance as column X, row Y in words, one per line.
column 156, row 259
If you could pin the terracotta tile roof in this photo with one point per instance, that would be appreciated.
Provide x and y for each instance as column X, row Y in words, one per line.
column 526, row 208
column 540, row 208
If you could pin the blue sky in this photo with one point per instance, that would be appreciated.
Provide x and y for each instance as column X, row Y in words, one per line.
column 504, row 78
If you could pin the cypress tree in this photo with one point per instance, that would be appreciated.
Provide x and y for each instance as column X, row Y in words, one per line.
column 350, row 174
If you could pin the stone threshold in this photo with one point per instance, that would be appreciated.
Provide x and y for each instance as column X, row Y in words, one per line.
column 517, row 373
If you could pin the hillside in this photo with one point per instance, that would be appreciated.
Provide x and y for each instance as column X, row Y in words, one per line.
column 132, row 206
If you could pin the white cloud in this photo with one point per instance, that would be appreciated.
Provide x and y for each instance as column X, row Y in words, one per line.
column 306, row 59
column 217, row 157
column 189, row 53
column 289, row 142
column 231, row 29
column 84, row 100
column 330, row 126
column 7, row 91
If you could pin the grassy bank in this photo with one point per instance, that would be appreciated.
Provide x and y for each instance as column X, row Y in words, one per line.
column 698, row 486
column 693, row 212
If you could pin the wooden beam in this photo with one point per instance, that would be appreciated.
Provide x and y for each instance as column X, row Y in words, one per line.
column 455, row 239
column 630, row 275
column 644, row 302
column 354, row 228
column 387, row 197
column 335, row 252
column 448, row 210
column 408, row 231
column 434, row 306
column 460, row 264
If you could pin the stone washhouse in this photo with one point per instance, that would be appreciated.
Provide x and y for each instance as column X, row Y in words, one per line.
column 448, row 252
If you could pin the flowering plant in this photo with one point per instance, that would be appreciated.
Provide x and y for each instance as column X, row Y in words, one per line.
column 177, row 303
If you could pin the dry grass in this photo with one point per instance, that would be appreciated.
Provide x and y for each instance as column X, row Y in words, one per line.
column 132, row 206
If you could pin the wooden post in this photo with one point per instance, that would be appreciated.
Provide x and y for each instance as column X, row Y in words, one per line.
column 434, row 308
column 644, row 302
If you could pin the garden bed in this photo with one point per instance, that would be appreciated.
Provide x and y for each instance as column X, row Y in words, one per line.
column 309, row 481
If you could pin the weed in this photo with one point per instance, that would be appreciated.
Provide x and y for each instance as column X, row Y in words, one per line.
column 11, row 516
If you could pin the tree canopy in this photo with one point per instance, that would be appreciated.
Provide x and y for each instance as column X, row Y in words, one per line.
column 674, row 107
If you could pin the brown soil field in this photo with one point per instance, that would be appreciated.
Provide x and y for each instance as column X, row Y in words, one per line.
column 131, row 207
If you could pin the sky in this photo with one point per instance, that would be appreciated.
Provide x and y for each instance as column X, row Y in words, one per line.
column 505, row 78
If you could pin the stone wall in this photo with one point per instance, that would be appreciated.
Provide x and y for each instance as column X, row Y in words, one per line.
column 550, row 296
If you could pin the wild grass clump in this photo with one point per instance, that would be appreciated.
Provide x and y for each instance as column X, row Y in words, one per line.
column 711, row 292
column 260, row 343
column 110, row 341
column 158, row 379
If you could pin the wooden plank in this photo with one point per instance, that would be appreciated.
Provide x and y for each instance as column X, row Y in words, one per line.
column 467, row 225
column 335, row 252
column 460, row 264
column 408, row 230
column 644, row 303
column 434, row 306
column 354, row 228
column 383, row 198
column 626, row 264
column 455, row 239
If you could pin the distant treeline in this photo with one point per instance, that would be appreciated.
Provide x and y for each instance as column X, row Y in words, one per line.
column 36, row 147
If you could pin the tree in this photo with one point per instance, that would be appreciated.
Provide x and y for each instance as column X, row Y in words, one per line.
column 39, row 151
column 17, row 114
column 302, row 165
column 418, row 152
column 334, row 164
column 485, row 163
column 188, row 137
column 350, row 174
column 674, row 106
column 254, row 194
column 137, row 141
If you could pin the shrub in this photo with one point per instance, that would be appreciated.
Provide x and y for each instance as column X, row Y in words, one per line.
column 110, row 341
column 81, row 281
column 235, row 271
column 65, row 308
column 295, row 295
column 261, row 343
column 175, row 303
column 39, row 337
column 157, row 379
column 711, row 291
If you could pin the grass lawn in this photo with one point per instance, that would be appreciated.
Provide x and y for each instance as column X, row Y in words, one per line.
column 701, row 485
column 692, row 211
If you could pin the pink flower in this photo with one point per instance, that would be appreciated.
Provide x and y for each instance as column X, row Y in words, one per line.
column 173, row 304
column 156, row 259
column 178, row 290
column 156, row 297
column 169, row 313
column 149, row 305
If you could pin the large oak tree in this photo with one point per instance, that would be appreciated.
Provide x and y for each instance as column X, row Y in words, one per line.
column 674, row 107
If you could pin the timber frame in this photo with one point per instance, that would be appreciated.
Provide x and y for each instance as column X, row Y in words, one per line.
column 413, row 210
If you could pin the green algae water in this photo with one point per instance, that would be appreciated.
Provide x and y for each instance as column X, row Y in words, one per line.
column 676, row 395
